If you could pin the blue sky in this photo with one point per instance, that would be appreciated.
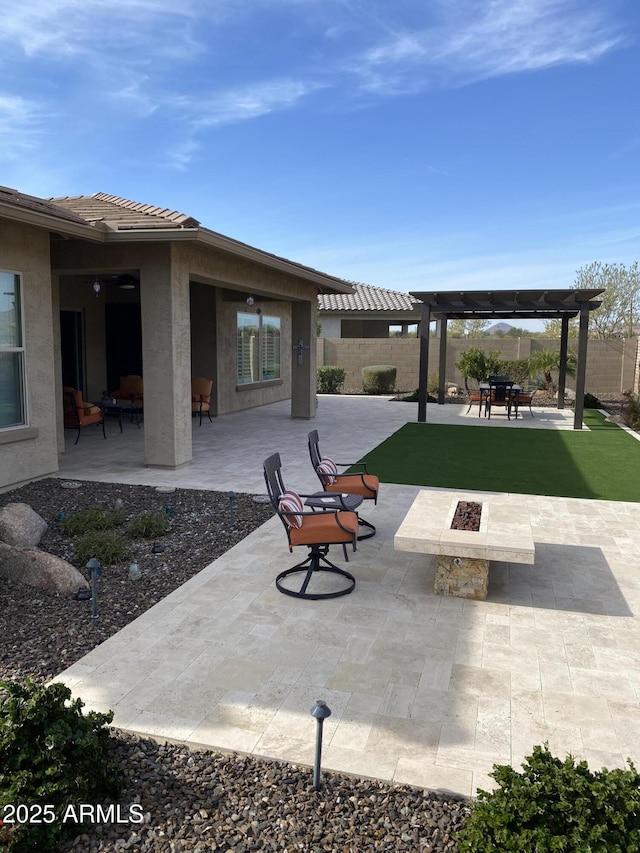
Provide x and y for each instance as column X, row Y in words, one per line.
column 410, row 144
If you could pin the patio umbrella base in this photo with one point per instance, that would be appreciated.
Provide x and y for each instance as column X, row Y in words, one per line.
column 314, row 564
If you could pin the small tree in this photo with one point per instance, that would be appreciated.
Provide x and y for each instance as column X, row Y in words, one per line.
column 478, row 365
column 548, row 363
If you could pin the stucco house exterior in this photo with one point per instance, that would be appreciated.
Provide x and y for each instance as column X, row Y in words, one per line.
column 367, row 312
column 96, row 287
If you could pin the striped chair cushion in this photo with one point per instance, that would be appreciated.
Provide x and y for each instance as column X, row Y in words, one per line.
column 328, row 470
column 290, row 503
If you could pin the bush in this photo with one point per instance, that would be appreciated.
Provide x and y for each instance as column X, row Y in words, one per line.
column 631, row 410
column 105, row 545
column 433, row 384
column 556, row 805
column 330, row 379
column 478, row 365
column 413, row 397
column 51, row 753
column 92, row 519
column 149, row 525
column 591, row 402
column 378, row 379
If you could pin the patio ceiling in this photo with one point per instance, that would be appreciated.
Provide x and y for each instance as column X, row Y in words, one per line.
column 500, row 304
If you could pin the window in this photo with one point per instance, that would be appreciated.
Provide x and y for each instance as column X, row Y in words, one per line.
column 258, row 348
column 12, row 372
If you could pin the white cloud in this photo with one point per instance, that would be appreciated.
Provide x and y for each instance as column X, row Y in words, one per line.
column 474, row 41
column 20, row 126
column 248, row 102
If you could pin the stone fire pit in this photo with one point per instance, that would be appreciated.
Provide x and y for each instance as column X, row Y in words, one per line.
column 486, row 527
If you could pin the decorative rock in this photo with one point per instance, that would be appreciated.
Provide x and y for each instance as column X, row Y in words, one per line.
column 39, row 569
column 21, row 526
column 464, row 577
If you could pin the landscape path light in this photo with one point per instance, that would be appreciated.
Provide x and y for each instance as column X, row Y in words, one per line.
column 94, row 567
column 320, row 711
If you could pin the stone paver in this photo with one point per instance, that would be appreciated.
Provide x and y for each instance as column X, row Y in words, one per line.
column 424, row 689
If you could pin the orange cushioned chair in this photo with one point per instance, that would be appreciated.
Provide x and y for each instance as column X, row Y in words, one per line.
column 78, row 414
column 201, row 397
column 130, row 390
column 359, row 483
column 316, row 530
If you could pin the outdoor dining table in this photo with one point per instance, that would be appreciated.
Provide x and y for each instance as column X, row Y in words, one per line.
column 513, row 393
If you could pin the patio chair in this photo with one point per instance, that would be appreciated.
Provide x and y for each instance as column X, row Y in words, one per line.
column 129, row 390
column 78, row 414
column 526, row 397
column 316, row 530
column 201, row 397
column 473, row 396
column 499, row 394
column 355, row 483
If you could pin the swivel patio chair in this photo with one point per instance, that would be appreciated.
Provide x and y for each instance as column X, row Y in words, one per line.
column 78, row 414
column 316, row 530
column 354, row 483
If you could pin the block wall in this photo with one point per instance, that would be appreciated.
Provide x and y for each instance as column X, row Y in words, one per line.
column 612, row 364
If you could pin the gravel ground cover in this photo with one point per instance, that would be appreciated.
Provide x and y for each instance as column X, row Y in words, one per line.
column 197, row 800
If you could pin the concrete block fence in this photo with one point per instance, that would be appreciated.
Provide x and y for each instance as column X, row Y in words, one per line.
column 613, row 365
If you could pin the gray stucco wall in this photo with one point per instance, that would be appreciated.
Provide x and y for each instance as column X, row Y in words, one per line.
column 26, row 453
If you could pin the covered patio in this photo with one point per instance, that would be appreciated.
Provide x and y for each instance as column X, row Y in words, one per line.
column 424, row 689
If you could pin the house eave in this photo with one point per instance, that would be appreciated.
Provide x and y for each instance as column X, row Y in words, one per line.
column 51, row 223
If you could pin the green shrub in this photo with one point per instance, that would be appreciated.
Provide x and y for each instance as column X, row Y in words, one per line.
column 478, row 365
column 433, row 383
column 105, row 545
column 92, row 519
column 413, row 398
column 51, row 753
column 556, row 805
column 591, row 402
column 330, row 379
column 517, row 369
column 631, row 410
column 378, row 379
column 149, row 525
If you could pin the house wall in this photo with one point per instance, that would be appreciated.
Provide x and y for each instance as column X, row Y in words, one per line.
column 230, row 396
column 29, row 452
column 611, row 363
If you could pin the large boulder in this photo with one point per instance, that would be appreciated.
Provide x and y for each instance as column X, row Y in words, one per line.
column 21, row 526
column 38, row 568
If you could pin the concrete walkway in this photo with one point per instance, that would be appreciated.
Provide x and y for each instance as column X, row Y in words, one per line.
column 424, row 689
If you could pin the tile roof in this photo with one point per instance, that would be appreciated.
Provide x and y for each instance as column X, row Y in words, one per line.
column 366, row 297
column 120, row 214
column 16, row 199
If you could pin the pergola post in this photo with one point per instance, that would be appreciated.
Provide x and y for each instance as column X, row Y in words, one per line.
column 442, row 359
column 581, row 368
column 425, row 321
column 562, row 373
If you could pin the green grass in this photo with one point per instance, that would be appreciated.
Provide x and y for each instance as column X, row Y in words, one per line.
column 603, row 463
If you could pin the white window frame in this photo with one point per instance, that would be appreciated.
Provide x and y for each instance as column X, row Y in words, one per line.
column 19, row 349
column 252, row 361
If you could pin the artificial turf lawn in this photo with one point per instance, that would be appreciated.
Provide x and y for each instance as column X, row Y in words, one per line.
column 603, row 463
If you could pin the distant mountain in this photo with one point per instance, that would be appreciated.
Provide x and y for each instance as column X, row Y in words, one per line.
column 499, row 327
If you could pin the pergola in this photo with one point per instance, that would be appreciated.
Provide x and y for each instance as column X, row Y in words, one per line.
column 500, row 305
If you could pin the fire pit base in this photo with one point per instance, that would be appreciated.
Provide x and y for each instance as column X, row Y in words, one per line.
column 464, row 577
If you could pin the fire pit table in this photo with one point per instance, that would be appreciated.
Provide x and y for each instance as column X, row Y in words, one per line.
column 466, row 531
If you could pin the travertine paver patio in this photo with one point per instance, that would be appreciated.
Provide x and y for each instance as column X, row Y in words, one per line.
column 424, row 689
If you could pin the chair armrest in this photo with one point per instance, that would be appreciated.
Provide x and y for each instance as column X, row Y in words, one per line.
column 362, row 465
